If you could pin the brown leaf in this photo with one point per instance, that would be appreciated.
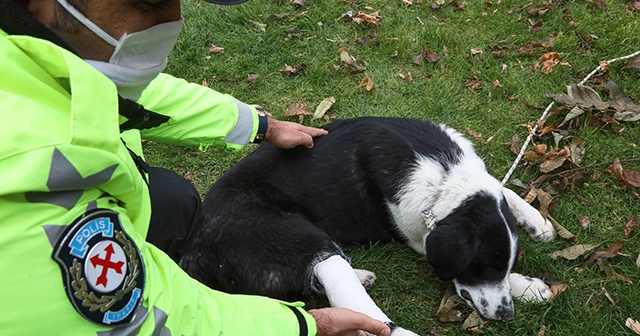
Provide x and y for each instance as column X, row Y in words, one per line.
column 475, row 135
column 289, row 70
column 350, row 62
column 215, row 49
column 496, row 85
column 554, row 159
column 634, row 63
column 323, row 107
column 573, row 252
column 252, row 78
column 540, row 9
column 562, row 231
column 545, row 202
column 373, row 18
column 540, row 149
column 633, row 324
column 584, row 221
column 297, row 109
column 473, row 322
column 189, row 176
column 536, row 27
column 556, row 289
column 577, row 150
column 431, row 56
column 625, row 176
column 606, row 293
column 367, row 39
column 530, row 156
column 515, row 144
column 446, row 311
column 607, row 253
column 473, row 84
column 549, row 61
column 529, row 47
column 367, row 83
column 631, row 224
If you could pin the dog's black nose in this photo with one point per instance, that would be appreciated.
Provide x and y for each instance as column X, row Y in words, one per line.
column 504, row 312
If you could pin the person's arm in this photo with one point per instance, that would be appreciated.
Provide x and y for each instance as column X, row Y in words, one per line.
column 203, row 117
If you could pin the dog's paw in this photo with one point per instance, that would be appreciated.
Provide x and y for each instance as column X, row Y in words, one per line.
column 367, row 278
column 542, row 231
column 528, row 289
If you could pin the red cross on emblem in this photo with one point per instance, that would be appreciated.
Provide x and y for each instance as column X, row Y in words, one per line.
column 104, row 267
column 106, row 264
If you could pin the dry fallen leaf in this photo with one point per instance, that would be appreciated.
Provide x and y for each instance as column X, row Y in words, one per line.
column 633, row 325
column 297, row 109
column 577, row 150
column 606, row 293
column 631, row 224
column 361, row 17
column 289, row 70
column 252, row 78
column 323, row 107
column 584, row 221
column 473, row 322
column 607, row 253
column 446, row 311
column 573, row 252
column 625, row 176
column 215, row 49
column 367, row 83
column 515, row 145
column 558, row 288
column 475, row 135
column 350, row 62
column 549, row 61
column 562, row 231
column 554, row 159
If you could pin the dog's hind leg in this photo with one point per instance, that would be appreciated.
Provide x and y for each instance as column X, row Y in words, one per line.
column 539, row 228
column 367, row 278
column 343, row 289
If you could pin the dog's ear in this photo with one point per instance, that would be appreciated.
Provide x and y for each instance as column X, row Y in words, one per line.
column 451, row 247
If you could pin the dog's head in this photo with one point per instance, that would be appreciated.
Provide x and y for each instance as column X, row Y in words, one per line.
column 476, row 247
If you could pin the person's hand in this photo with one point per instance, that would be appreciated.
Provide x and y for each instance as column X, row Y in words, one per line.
column 286, row 134
column 345, row 322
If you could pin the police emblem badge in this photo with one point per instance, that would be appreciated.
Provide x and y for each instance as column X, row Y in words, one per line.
column 102, row 268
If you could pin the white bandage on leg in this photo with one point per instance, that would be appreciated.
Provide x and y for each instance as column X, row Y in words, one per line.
column 343, row 288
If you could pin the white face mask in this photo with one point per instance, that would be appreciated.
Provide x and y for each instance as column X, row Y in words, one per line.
column 138, row 57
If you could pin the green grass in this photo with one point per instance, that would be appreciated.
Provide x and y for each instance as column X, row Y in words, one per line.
column 407, row 289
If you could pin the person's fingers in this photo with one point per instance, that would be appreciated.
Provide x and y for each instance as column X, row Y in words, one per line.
column 286, row 134
column 341, row 321
column 365, row 323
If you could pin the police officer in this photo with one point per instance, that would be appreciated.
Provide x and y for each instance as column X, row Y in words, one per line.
column 89, row 233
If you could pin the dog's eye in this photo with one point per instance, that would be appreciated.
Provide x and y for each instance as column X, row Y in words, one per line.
column 465, row 295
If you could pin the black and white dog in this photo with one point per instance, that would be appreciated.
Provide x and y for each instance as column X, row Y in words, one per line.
column 274, row 223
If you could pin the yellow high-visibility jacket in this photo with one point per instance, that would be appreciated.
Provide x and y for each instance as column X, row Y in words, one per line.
column 74, row 208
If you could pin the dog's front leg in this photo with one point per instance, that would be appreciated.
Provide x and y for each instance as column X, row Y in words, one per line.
column 344, row 289
column 529, row 289
column 539, row 228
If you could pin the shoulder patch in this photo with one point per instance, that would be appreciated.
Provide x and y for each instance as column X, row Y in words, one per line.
column 102, row 269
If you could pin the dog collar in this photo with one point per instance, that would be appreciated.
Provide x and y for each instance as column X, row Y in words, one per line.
column 429, row 219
